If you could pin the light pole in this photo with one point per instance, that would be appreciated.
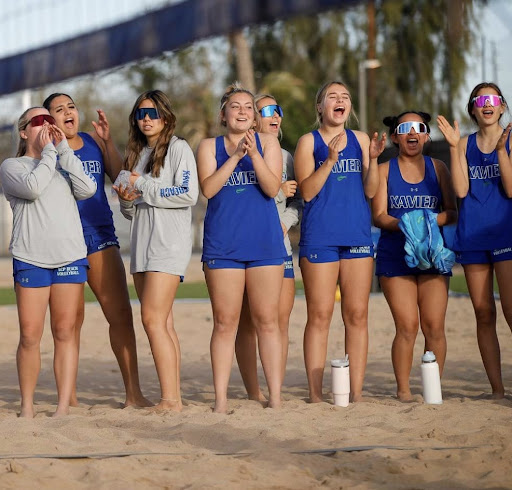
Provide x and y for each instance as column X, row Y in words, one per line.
column 363, row 66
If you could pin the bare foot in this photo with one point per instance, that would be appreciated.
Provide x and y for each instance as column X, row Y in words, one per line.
column 497, row 395
column 492, row 396
column 166, row 405
column 356, row 397
column 221, row 406
column 260, row 397
column 404, row 396
column 315, row 399
column 274, row 402
column 410, row 398
column 139, row 401
column 73, row 401
column 61, row 411
column 27, row 412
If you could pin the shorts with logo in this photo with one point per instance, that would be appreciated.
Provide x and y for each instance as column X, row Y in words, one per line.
column 99, row 238
column 320, row 255
column 239, row 264
column 288, row 268
column 484, row 256
column 32, row 276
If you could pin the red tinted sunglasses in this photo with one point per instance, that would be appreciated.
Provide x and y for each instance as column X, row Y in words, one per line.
column 40, row 119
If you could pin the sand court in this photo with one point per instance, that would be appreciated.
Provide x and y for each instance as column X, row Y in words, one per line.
column 464, row 443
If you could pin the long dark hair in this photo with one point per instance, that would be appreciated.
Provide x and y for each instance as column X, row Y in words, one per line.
column 137, row 141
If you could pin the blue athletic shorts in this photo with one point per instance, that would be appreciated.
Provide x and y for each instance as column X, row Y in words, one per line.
column 32, row 276
column 399, row 267
column 288, row 268
column 484, row 256
column 99, row 238
column 240, row 264
column 321, row 255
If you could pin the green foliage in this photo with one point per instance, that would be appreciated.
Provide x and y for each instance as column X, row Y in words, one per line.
column 188, row 77
column 198, row 290
column 421, row 43
column 189, row 290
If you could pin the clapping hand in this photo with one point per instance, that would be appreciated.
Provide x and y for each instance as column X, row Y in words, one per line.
column 377, row 145
column 451, row 133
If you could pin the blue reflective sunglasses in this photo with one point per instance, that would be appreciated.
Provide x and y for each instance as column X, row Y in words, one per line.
column 405, row 127
column 150, row 111
column 269, row 110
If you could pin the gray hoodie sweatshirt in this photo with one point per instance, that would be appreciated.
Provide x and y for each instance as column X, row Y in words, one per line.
column 42, row 193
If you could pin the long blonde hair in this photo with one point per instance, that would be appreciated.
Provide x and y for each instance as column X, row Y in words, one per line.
column 23, row 122
column 137, row 140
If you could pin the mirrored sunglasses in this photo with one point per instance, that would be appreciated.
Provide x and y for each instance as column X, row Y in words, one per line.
column 269, row 110
column 150, row 111
column 40, row 119
column 481, row 100
column 405, row 127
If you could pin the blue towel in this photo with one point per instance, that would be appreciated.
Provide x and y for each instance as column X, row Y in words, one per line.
column 424, row 246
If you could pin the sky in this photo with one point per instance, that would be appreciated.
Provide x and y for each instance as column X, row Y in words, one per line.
column 44, row 22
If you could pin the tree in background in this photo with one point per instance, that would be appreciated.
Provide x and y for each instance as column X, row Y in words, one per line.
column 189, row 78
column 423, row 52
column 421, row 44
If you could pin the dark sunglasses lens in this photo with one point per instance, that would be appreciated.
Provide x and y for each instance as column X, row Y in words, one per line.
column 150, row 111
column 39, row 120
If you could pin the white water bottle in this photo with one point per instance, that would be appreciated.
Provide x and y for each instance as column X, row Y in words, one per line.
column 340, row 375
column 430, row 379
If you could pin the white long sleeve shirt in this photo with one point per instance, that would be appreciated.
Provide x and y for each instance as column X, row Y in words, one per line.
column 161, row 228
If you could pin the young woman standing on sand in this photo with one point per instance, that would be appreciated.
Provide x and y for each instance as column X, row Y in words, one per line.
column 243, row 250
column 411, row 181
column 162, row 188
column 106, row 275
column 336, row 169
column 289, row 205
column 482, row 176
column 48, row 249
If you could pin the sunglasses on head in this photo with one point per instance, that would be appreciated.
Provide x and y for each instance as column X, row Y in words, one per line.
column 405, row 127
column 269, row 110
column 40, row 119
column 150, row 111
column 481, row 100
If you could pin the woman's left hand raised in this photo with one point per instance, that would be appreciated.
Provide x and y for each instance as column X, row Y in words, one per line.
column 101, row 126
column 377, row 145
column 500, row 145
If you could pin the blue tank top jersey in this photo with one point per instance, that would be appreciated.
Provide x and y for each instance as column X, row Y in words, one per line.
column 404, row 197
column 94, row 211
column 485, row 214
column 339, row 214
column 241, row 222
